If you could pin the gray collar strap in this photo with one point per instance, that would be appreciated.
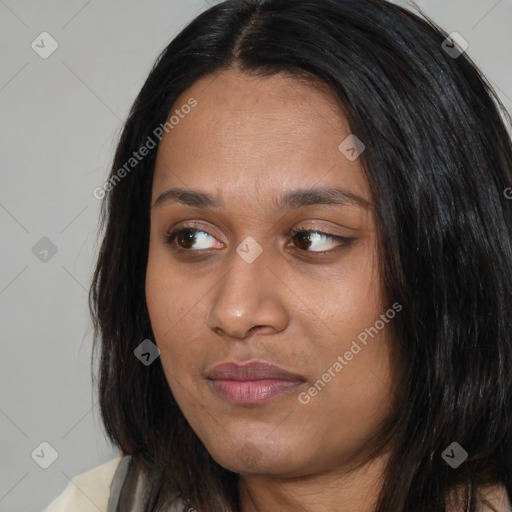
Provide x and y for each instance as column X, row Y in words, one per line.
column 127, row 488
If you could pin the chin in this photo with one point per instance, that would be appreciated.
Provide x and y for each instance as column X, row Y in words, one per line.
column 249, row 457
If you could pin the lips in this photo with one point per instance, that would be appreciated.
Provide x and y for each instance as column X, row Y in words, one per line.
column 253, row 382
column 257, row 370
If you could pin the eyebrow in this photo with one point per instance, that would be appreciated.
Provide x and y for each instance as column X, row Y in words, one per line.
column 293, row 199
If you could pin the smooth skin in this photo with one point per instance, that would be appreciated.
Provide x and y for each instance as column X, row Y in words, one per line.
column 250, row 141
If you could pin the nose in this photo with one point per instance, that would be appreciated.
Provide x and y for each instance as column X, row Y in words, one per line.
column 249, row 297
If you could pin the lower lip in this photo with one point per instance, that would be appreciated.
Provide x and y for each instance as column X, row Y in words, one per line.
column 253, row 391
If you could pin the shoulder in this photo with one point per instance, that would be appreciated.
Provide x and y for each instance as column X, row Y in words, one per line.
column 88, row 491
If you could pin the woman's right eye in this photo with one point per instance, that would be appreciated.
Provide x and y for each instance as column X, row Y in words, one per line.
column 184, row 237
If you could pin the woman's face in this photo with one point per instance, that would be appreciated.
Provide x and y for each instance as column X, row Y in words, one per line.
column 240, row 287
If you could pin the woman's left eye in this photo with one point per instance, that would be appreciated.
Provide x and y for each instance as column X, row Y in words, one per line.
column 305, row 236
column 184, row 239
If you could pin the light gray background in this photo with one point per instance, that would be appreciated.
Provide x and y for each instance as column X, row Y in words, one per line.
column 61, row 117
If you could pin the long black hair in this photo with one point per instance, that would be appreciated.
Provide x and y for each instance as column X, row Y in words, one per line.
column 438, row 158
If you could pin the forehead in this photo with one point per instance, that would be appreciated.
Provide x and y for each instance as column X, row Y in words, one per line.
column 247, row 133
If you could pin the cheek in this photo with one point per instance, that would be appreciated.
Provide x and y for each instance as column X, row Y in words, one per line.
column 165, row 292
column 174, row 336
column 351, row 299
column 168, row 311
column 351, row 305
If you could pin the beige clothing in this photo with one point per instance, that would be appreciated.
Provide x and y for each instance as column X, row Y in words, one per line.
column 87, row 492
column 115, row 486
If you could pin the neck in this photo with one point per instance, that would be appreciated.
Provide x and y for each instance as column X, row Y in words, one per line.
column 341, row 490
column 355, row 491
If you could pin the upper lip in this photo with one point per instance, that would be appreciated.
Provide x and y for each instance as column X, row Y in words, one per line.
column 254, row 370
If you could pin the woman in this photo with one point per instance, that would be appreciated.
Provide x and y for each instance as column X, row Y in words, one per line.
column 303, row 293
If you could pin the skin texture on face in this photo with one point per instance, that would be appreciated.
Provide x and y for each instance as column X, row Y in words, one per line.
column 250, row 141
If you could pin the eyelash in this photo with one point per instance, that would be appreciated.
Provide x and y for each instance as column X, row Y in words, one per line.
column 344, row 242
